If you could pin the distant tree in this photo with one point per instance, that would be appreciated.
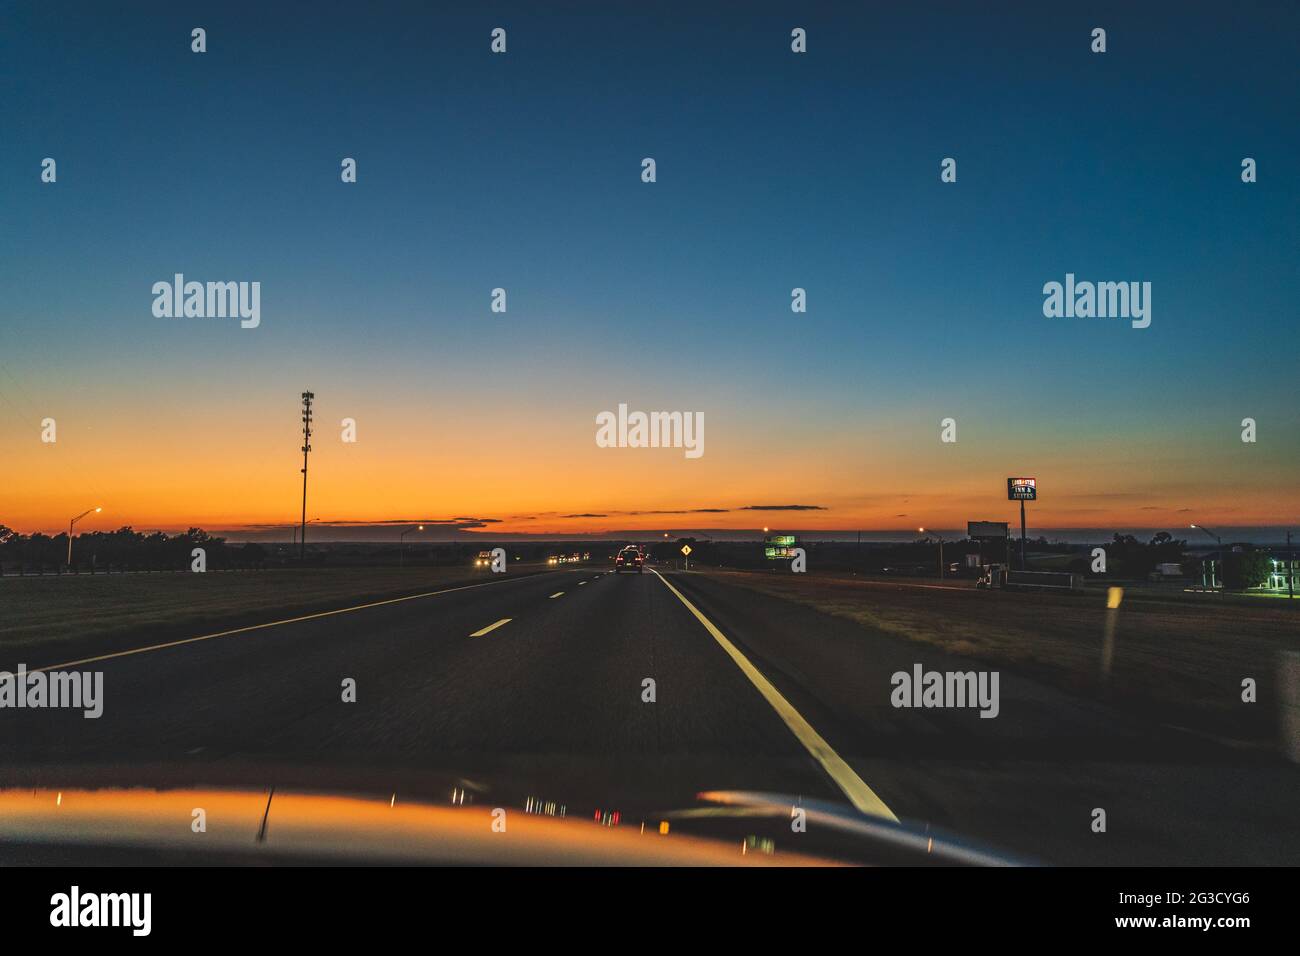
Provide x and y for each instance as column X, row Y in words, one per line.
column 1166, row 549
column 1128, row 556
column 123, row 548
column 1245, row 569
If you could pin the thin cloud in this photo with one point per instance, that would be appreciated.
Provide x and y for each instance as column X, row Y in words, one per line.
column 678, row 511
column 783, row 508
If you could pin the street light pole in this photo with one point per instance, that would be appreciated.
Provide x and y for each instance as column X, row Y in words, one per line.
column 401, row 561
column 70, row 526
column 1222, row 557
column 938, row 538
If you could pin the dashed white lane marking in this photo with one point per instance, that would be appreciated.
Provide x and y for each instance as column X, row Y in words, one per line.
column 491, row 627
column 854, row 787
column 258, row 627
column 556, row 594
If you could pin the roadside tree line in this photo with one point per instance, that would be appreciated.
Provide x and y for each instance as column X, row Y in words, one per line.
column 100, row 552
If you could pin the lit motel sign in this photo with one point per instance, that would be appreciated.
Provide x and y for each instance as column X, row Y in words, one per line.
column 1022, row 489
column 779, row 547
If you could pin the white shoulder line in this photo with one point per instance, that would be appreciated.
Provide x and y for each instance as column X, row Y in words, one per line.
column 258, row 627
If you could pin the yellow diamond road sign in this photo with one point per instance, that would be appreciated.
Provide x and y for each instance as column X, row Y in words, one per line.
column 686, row 549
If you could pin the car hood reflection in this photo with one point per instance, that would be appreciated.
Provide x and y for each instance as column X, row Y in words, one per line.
column 326, row 827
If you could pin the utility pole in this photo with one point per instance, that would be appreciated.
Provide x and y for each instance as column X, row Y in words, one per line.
column 1290, row 569
column 306, row 447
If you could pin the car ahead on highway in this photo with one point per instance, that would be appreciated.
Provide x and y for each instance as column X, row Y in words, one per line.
column 631, row 559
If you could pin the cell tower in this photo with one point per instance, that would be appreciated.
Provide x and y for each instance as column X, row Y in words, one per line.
column 306, row 448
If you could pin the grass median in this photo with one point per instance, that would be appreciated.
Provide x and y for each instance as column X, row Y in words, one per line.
column 47, row 619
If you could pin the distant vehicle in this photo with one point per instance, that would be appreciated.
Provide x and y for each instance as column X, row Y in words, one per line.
column 630, row 558
column 484, row 560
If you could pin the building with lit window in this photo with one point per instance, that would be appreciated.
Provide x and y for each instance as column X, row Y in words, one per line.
column 1283, row 565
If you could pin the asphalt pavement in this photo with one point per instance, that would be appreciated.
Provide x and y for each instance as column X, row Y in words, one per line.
column 541, row 682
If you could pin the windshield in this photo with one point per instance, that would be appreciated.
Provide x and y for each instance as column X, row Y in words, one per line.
column 942, row 400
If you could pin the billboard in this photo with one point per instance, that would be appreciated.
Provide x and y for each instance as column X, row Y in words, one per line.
column 779, row 547
column 986, row 529
column 1022, row 489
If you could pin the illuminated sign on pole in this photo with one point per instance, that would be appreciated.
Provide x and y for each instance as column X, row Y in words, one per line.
column 779, row 547
column 1022, row 489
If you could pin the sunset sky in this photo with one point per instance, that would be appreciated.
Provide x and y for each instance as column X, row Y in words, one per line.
column 775, row 170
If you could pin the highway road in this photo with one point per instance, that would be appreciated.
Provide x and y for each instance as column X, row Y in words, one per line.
column 539, row 681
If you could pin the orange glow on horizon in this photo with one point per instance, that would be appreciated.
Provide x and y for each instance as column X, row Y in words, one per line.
column 211, row 469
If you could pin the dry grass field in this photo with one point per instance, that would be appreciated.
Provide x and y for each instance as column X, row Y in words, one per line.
column 52, row 616
column 1180, row 658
